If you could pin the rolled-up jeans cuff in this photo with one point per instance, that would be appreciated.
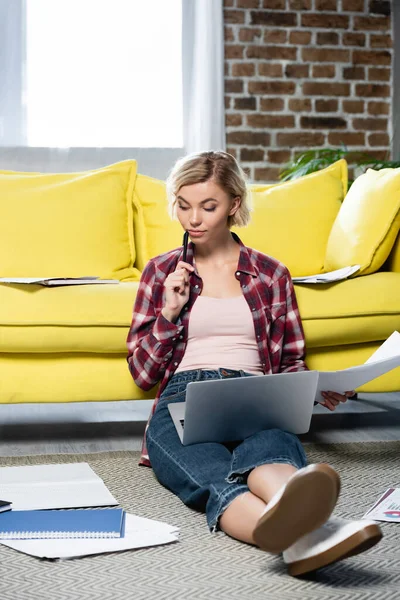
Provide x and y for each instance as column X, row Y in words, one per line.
column 241, row 475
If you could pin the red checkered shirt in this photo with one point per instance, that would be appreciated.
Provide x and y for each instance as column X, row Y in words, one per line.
column 156, row 346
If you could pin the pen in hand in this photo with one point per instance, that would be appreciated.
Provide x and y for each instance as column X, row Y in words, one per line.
column 185, row 245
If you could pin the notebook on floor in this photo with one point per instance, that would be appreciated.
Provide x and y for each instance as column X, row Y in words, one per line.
column 225, row 410
column 80, row 523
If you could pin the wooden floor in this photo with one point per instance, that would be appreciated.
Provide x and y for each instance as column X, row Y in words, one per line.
column 106, row 426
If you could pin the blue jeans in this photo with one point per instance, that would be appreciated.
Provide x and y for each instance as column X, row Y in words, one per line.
column 209, row 476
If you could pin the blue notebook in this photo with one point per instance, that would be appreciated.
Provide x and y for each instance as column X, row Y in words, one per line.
column 79, row 523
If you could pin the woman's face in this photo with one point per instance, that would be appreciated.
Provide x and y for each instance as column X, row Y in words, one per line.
column 203, row 210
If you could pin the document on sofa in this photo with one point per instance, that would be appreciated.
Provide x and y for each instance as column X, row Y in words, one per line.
column 139, row 533
column 36, row 487
column 55, row 281
column 346, row 380
column 330, row 277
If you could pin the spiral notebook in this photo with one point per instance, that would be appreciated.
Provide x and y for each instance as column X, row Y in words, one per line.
column 53, row 524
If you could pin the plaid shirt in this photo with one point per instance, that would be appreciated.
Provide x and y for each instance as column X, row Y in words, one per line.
column 156, row 346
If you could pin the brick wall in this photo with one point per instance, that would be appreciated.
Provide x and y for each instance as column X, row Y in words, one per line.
column 305, row 74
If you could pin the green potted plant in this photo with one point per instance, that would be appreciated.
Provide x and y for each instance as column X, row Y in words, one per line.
column 314, row 160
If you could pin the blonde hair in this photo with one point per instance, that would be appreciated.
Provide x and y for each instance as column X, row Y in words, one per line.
column 219, row 166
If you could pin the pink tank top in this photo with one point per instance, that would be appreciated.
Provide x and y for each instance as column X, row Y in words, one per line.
column 221, row 334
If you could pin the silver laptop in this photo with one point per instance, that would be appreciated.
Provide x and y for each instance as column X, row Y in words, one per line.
column 231, row 409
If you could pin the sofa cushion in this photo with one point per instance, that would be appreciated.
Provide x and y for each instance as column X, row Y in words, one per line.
column 367, row 224
column 291, row 221
column 87, row 318
column 354, row 311
column 155, row 231
column 68, row 224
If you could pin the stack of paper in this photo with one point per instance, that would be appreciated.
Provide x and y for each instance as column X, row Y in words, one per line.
column 330, row 277
column 139, row 533
column 72, row 486
column 387, row 508
column 55, row 281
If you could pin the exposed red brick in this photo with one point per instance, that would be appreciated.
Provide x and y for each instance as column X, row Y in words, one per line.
column 300, row 37
column 231, row 150
column 233, row 51
column 300, row 4
column 322, row 122
column 243, row 69
column 378, row 108
column 325, row 21
column 316, row 88
column 266, row 69
column 322, row 55
column 297, row 70
column 274, row 4
column 347, row 138
column 248, row 103
column 326, row 5
column 252, row 154
column 229, row 35
column 374, row 90
column 354, row 73
column 378, row 139
column 275, row 36
column 227, row 69
column 249, row 34
column 248, row 138
column 300, row 104
column 272, row 87
column 234, row 16
column 330, row 105
column 267, row 174
column 272, row 52
column 271, row 104
column 375, row 74
column 327, row 38
column 353, row 106
column 278, row 156
column 370, row 124
column 247, row 3
column 234, row 120
column 301, row 138
column 353, row 5
column 380, row 7
column 273, row 19
column 233, row 86
column 227, row 102
column 324, row 71
column 381, row 41
column 371, row 23
column 378, row 57
column 270, row 121
column 228, row 3
column 353, row 39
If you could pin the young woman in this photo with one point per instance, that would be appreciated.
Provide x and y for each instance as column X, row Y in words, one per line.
column 231, row 311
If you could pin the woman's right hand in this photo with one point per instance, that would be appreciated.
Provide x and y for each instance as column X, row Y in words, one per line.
column 177, row 290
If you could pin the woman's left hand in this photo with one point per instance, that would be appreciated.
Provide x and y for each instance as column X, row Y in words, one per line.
column 333, row 399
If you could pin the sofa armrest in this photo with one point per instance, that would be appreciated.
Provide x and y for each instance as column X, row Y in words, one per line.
column 393, row 261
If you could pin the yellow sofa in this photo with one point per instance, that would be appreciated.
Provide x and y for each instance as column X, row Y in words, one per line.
column 67, row 344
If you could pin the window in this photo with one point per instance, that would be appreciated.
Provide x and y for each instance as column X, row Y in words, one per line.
column 103, row 73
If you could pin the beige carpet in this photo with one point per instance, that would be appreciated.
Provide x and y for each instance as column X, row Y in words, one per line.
column 201, row 565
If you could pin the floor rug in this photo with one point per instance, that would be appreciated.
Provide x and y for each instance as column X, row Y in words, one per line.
column 203, row 565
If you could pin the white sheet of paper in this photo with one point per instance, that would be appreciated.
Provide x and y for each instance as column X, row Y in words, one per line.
column 390, row 347
column 387, row 508
column 55, row 281
column 346, row 380
column 331, row 276
column 139, row 533
column 71, row 485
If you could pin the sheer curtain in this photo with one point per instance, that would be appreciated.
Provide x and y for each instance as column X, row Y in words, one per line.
column 202, row 103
